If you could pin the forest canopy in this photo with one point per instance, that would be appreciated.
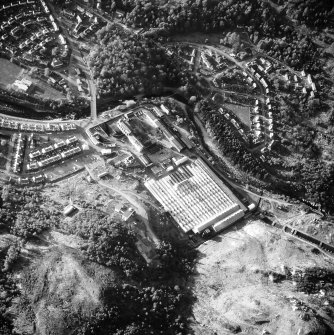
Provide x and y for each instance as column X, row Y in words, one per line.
column 126, row 65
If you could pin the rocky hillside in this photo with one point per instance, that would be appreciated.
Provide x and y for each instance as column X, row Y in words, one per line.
column 255, row 281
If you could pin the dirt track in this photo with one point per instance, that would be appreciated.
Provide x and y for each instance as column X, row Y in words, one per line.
column 133, row 199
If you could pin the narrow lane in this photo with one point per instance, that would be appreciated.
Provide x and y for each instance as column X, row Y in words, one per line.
column 140, row 208
column 74, row 47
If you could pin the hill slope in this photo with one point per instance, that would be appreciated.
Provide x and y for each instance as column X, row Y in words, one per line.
column 242, row 285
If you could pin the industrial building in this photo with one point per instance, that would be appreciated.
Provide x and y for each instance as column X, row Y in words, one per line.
column 173, row 140
column 123, row 127
column 106, row 152
column 69, row 209
column 196, row 198
column 176, row 143
column 153, row 119
column 23, row 85
column 145, row 160
column 136, row 143
column 158, row 111
column 164, row 109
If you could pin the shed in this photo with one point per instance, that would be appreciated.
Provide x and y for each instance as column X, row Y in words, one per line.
column 145, row 160
column 164, row 109
column 180, row 161
column 105, row 152
column 68, row 210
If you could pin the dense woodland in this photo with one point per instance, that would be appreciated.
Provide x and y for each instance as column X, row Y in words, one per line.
column 208, row 15
column 259, row 19
column 203, row 16
column 230, row 142
column 296, row 50
column 159, row 303
column 107, row 242
column 8, row 288
column 24, row 212
column 313, row 13
column 9, row 292
column 314, row 279
column 126, row 65
column 317, row 181
column 152, row 303
column 312, row 181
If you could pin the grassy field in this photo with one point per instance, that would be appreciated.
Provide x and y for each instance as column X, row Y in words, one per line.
column 46, row 91
column 242, row 112
column 9, row 71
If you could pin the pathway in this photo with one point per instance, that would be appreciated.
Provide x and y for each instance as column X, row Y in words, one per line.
column 131, row 198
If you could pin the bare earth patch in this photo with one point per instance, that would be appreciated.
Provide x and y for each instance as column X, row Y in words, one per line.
column 232, row 293
column 62, row 286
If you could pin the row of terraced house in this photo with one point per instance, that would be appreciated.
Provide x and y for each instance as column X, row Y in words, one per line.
column 53, row 153
column 35, row 127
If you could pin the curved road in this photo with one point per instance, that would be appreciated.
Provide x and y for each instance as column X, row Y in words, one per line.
column 131, row 198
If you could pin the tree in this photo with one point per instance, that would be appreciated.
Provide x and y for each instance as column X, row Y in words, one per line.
column 122, row 60
column 13, row 254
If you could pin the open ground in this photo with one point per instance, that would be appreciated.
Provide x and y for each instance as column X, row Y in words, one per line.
column 242, row 112
column 252, row 302
column 9, row 72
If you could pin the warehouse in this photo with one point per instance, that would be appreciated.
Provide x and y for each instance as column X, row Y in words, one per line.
column 136, row 143
column 145, row 160
column 196, row 198
column 123, row 127
column 153, row 119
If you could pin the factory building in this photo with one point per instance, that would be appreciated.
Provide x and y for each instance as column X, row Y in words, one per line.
column 196, row 198
column 136, row 143
column 123, row 127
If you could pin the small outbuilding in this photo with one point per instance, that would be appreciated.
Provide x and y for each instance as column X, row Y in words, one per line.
column 70, row 209
column 106, row 152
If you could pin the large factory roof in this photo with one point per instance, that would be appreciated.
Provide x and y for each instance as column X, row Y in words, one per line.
column 196, row 198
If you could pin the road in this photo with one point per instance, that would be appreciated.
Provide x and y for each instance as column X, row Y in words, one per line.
column 106, row 18
column 240, row 65
column 141, row 209
column 74, row 47
column 246, row 95
column 230, row 58
column 92, row 89
column 288, row 230
column 219, row 51
column 91, row 82
column 28, row 120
